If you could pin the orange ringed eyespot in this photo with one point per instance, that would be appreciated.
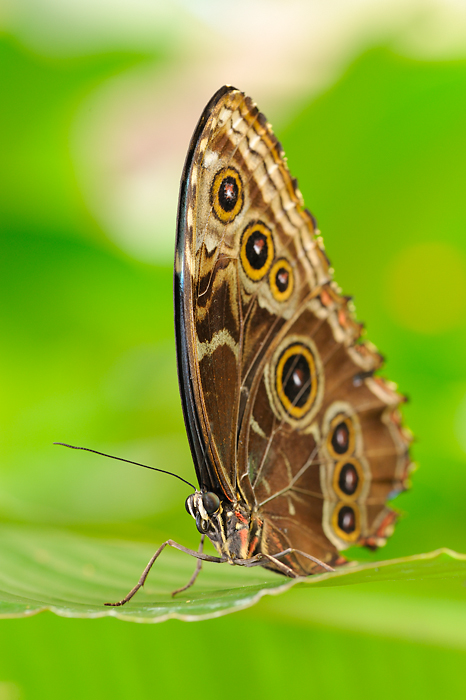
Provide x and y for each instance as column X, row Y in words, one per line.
column 227, row 195
column 346, row 521
column 341, row 436
column 257, row 250
column 281, row 279
column 296, row 380
column 348, row 479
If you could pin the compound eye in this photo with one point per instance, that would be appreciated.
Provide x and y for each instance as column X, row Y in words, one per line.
column 211, row 502
column 187, row 504
column 201, row 524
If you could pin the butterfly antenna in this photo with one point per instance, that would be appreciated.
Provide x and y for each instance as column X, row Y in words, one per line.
column 162, row 471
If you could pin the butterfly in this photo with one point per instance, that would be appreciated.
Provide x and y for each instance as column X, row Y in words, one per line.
column 297, row 445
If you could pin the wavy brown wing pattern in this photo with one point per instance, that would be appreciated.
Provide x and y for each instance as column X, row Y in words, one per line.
column 282, row 406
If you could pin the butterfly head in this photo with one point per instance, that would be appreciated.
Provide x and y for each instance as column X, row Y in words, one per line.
column 227, row 526
column 205, row 507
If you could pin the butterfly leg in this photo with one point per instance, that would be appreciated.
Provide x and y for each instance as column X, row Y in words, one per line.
column 259, row 558
column 198, row 555
column 290, row 550
column 197, row 570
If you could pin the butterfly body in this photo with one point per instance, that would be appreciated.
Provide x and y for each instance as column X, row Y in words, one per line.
column 234, row 531
column 288, row 425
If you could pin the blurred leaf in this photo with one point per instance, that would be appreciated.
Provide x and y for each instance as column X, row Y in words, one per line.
column 73, row 576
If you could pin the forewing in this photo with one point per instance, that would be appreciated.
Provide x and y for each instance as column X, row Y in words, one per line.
column 227, row 252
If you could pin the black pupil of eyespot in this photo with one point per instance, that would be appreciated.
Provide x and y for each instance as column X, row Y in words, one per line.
column 282, row 279
column 228, row 193
column 257, row 250
column 347, row 519
column 340, row 438
column 211, row 502
column 297, row 380
column 348, row 479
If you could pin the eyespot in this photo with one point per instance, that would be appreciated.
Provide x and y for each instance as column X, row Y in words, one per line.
column 226, row 194
column 346, row 521
column 296, row 380
column 257, row 250
column 281, row 280
column 348, row 479
column 341, row 437
column 211, row 502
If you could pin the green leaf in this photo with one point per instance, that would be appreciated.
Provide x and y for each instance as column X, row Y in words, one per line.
column 73, row 575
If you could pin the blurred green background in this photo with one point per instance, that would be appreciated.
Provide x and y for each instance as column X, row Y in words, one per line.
column 95, row 120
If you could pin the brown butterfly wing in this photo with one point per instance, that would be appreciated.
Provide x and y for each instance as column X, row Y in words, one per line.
column 222, row 322
column 269, row 354
column 322, row 477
